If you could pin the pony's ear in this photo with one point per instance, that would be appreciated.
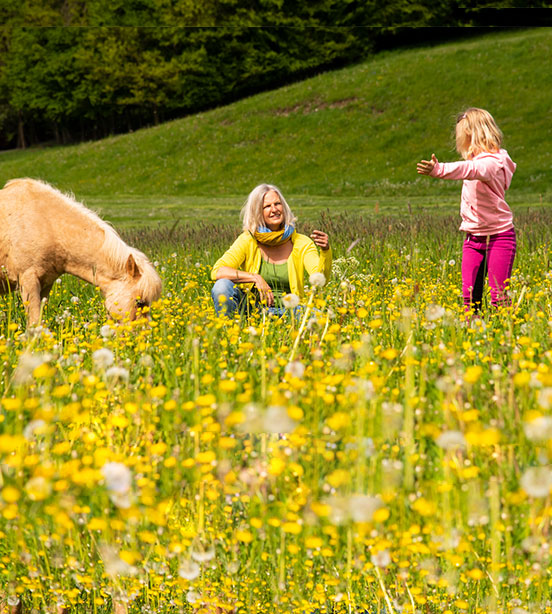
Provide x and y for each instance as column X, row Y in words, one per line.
column 132, row 268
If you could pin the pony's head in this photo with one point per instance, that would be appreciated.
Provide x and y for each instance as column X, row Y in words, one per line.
column 137, row 286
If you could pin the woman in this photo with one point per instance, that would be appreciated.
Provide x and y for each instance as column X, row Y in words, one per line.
column 269, row 255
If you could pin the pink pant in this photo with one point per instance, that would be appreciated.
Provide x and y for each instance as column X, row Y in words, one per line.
column 493, row 254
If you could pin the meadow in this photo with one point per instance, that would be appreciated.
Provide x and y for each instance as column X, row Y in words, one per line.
column 347, row 139
column 382, row 453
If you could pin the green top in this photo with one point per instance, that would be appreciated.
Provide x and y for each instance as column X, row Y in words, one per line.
column 277, row 277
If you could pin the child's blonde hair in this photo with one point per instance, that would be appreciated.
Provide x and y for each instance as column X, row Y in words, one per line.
column 477, row 132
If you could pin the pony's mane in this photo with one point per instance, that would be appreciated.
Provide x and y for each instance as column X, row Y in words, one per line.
column 114, row 249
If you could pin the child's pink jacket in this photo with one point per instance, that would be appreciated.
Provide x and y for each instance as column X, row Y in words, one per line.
column 486, row 178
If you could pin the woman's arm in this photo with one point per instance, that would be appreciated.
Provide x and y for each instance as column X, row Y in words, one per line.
column 236, row 275
column 234, row 257
column 315, row 262
column 321, row 239
column 243, row 277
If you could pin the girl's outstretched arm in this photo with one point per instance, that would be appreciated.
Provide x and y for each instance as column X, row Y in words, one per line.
column 426, row 166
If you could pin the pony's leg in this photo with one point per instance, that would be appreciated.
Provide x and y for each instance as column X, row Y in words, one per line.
column 29, row 287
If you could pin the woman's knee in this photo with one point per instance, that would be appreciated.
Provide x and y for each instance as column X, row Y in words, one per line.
column 222, row 287
column 227, row 297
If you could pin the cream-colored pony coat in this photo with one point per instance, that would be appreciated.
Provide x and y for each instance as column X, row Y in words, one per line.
column 44, row 234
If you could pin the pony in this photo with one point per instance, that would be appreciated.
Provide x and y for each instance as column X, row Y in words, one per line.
column 44, row 234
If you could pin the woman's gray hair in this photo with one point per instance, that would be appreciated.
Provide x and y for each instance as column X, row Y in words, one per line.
column 252, row 210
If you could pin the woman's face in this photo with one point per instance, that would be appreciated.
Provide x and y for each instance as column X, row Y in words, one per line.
column 273, row 211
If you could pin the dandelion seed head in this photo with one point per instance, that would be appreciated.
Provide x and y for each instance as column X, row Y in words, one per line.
column 34, row 427
column 451, row 440
column 114, row 566
column 121, row 500
column 290, row 301
column 363, row 507
column 252, row 419
column 295, row 368
column 146, row 361
column 117, row 477
column 537, row 481
column 103, row 358
column 277, row 420
column 381, row 558
column 203, row 554
column 363, row 387
column 192, row 597
column 434, row 312
column 545, row 398
column 106, row 331
column 539, row 429
column 317, row 280
column 189, row 570
column 117, row 374
column 339, row 509
column 27, row 363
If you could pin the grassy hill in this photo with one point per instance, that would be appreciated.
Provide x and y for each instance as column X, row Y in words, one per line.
column 347, row 139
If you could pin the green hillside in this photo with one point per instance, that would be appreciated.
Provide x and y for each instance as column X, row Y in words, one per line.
column 345, row 139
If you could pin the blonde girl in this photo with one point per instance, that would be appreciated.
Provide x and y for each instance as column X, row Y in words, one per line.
column 487, row 220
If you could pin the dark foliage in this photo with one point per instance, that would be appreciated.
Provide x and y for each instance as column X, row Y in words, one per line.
column 74, row 70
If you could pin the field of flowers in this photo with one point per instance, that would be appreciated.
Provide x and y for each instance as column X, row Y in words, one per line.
column 381, row 453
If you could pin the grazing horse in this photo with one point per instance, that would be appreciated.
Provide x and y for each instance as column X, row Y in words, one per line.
column 44, row 234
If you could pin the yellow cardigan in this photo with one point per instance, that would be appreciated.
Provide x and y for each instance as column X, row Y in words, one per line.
column 244, row 254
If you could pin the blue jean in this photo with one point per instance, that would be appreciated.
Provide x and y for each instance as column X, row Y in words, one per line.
column 236, row 299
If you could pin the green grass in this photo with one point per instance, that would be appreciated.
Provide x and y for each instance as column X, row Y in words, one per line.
column 387, row 381
column 384, row 377
column 341, row 140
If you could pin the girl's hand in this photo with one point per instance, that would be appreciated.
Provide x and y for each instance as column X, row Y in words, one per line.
column 426, row 166
column 321, row 239
column 264, row 290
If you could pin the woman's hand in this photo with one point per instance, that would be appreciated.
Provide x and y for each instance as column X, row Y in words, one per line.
column 264, row 290
column 426, row 166
column 321, row 239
